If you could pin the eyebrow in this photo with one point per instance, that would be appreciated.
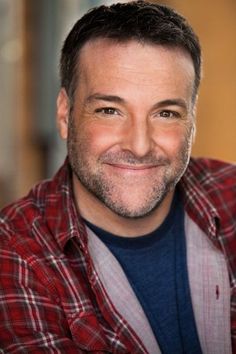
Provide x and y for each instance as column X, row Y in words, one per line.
column 101, row 97
column 171, row 102
column 117, row 99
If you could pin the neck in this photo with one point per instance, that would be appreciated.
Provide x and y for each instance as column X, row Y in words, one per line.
column 93, row 210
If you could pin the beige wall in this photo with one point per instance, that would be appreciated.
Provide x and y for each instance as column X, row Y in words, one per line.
column 215, row 23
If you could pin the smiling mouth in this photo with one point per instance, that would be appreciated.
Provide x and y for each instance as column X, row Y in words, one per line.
column 133, row 167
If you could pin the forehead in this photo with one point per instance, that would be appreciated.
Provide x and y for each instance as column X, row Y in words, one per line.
column 132, row 53
column 104, row 61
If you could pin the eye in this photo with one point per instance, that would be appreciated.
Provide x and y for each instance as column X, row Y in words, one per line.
column 169, row 114
column 107, row 111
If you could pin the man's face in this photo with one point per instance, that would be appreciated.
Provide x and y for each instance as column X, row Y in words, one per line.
column 131, row 128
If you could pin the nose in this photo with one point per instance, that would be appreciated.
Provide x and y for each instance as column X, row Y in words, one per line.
column 137, row 137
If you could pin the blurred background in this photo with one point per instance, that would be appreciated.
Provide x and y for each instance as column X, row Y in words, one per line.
column 31, row 35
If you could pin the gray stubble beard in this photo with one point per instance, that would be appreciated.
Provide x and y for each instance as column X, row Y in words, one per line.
column 103, row 189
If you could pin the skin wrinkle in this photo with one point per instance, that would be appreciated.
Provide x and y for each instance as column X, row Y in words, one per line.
column 78, row 71
column 103, row 190
column 104, row 148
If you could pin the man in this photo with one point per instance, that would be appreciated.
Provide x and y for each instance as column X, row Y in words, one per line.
column 130, row 247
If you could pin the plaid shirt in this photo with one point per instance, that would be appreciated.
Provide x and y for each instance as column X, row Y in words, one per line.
column 51, row 298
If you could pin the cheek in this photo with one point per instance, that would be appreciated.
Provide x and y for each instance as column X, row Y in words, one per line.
column 171, row 141
column 97, row 137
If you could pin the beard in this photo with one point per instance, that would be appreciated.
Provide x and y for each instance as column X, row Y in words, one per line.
column 126, row 196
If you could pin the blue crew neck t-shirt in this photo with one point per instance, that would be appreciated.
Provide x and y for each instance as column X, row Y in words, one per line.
column 155, row 265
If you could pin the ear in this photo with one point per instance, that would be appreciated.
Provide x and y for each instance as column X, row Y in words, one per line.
column 194, row 113
column 63, row 112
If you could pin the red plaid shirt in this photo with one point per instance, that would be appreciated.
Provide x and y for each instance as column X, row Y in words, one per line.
column 51, row 299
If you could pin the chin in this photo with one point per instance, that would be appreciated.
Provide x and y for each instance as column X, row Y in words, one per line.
column 129, row 212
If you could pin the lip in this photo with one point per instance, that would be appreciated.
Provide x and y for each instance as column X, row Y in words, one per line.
column 135, row 169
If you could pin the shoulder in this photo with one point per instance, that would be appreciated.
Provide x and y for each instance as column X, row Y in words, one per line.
column 17, row 227
column 41, row 204
column 20, row 214
column 39, row 220
column 212, row 183
column 213, row 172
column 22, row 221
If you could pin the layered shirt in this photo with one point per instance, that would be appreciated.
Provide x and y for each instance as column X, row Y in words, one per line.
column 61, row 291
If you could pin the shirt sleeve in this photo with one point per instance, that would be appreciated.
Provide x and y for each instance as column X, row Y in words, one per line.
column 30, row 320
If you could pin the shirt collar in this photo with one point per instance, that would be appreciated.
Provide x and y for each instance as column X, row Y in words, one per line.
column 195, row 186
column 67, row 223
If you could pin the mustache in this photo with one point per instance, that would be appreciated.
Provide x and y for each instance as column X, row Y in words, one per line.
column 128, row 157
